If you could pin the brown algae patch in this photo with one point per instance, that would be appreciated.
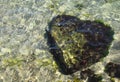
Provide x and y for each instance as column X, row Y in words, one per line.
column 77, row 44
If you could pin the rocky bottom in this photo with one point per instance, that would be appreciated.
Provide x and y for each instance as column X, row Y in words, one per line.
column 77, row 44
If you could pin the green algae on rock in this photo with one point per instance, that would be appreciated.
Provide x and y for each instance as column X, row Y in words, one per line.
column 77, row 44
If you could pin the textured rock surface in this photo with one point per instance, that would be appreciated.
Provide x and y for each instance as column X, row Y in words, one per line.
column 113, row 70
column 91, row 76
column 24, row 52
column 77, row 44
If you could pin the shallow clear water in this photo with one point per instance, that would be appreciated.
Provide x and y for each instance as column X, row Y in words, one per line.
column 24, row 55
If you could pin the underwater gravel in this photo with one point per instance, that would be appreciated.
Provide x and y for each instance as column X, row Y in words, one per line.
column 24, row 55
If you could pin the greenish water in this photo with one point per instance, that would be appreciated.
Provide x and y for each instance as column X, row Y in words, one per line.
column 24, row 55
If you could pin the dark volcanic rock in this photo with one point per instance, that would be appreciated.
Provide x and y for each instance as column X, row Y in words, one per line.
column 77, row 44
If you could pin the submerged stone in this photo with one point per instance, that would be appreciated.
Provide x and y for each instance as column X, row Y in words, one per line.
column 77, row 44
column 113, row 70
column 90, row 76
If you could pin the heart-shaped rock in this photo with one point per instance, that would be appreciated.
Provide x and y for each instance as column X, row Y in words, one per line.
column 77, row 44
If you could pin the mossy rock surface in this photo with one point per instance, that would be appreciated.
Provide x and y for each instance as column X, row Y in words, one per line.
column 77, row 44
